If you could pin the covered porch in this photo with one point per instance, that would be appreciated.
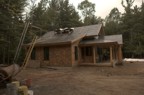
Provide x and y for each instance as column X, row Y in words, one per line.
column 105, row 53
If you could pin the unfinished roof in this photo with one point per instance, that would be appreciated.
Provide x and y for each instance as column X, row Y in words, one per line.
column 78, row 33
column 106, row 39
column 91, row 30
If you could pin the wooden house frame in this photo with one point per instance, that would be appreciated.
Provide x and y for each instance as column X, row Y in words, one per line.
column 87, row 45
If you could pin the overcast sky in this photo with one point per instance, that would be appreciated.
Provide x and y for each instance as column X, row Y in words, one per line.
column 103, row 7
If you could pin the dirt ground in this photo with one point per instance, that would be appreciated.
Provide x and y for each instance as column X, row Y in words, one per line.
column 87, row 80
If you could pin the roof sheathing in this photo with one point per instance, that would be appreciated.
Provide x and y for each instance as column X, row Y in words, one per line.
column 79, row 32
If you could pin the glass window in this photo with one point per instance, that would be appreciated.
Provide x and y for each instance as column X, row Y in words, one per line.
column 33, row 54
column 76, row 53
column 46, row 53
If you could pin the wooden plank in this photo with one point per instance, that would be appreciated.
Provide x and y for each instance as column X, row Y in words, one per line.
column 72, row 55
column 108, row 44
column 111, row 56
column 94, row 54
column 119, row 54
column 116, row 53
column 79, row 55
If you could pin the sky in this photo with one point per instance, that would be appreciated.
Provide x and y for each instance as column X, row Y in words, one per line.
column 103, row 7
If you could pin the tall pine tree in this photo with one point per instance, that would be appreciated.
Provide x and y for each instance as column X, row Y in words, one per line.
column 11, row 24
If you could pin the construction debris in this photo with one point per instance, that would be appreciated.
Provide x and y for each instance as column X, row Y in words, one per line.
column 15, row 88
column 6, row 74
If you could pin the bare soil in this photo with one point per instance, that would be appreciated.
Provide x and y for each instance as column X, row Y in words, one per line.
column 87, row 80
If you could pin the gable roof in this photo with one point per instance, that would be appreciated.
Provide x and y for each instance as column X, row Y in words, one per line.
column 78, row 33
column 106, row 39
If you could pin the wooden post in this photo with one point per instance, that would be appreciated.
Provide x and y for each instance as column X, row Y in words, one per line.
column 94, row 54
column 79, row 55
column 116, row 53
column 111, row 56
column 114, row 57
column 119, row 54
column 72, row 56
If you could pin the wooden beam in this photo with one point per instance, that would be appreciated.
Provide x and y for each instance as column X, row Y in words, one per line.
column 105, row 45
column 94, row 54
column 111, row 56
column 119, row 54
column 116, row 53
column 79, row 55
column 99, row 44
column 72, row 55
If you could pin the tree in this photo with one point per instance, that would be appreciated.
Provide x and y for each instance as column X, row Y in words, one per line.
column 52, row 15
column 11, row 24
column 114, row 15
column 87, row 8
column 88, row 12
column 38, row 13
column 68, row 17
column 138, row 28
column 112, row 22
column 142, row 13
column 132, row 30
column 55, row 14
column 131, row 25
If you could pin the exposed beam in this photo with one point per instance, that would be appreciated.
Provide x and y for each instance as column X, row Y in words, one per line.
column 79, row 55
column 72, row 55
column 94, row 54
column 119, row 54
column 111, row 56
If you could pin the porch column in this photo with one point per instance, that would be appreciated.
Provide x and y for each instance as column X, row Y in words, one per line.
column 79, row 55
column 72, row 56
column 94, row 54
column 119, row 54
column 114, row 57
column 111, row 56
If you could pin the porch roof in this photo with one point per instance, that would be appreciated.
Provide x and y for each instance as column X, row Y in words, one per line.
column 115, row 39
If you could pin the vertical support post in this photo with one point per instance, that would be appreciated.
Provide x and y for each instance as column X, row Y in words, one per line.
column 116, row 53
column 111, row 56
column 79, row 55
column 94, row 54
column 113, row 53
column 72, row 56
column 119, row 54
